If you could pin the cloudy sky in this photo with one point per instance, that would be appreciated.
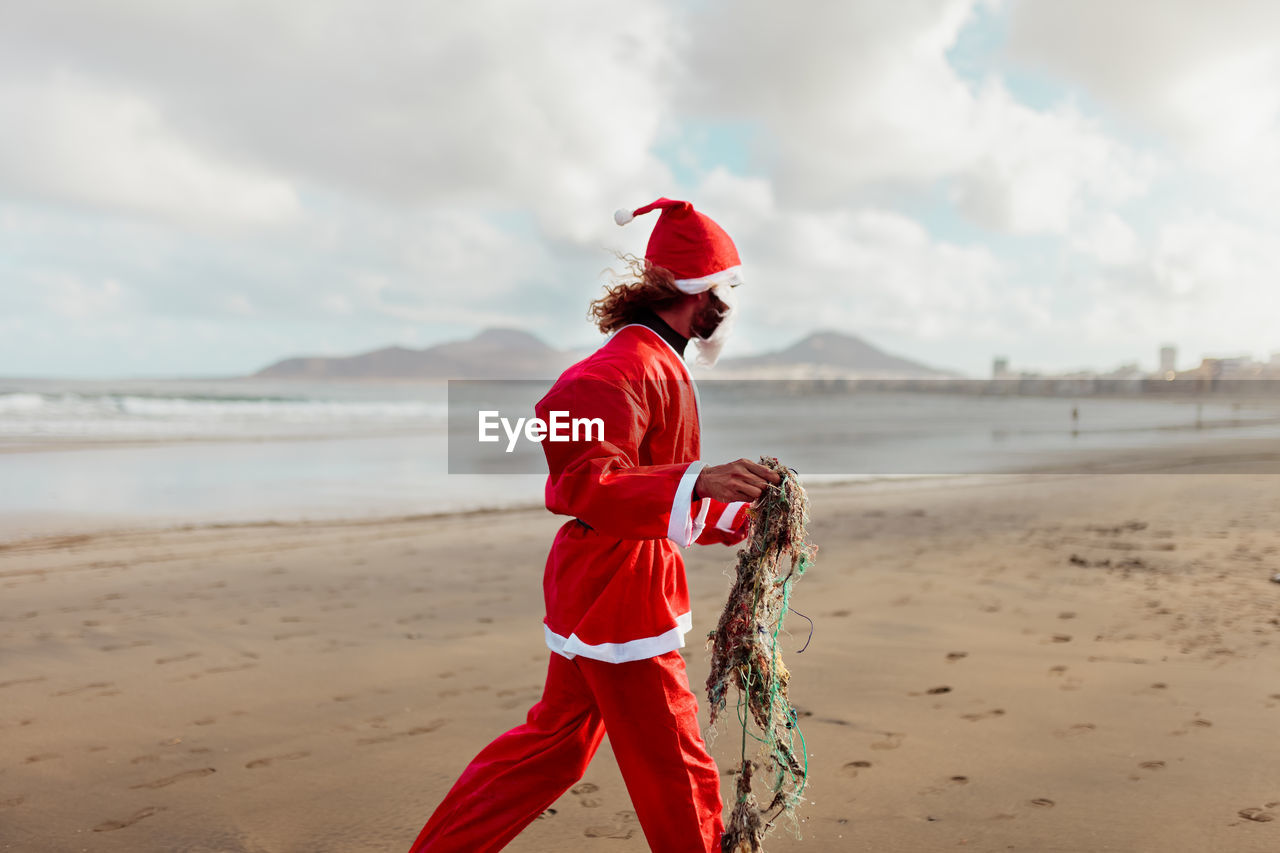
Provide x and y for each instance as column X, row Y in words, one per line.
column 201, row 188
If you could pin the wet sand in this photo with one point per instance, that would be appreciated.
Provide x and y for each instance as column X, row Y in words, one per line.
column 1038, row 663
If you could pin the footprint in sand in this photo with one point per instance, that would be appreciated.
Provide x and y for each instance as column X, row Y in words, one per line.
column 1197, row 723
column 266, row 762
column 13, row 801
column 955, row 656
column 416, row 730
column 178, row 658
column 1043, row 802
column 112, row 825
column 16, row 681
column 115, row 647
column 233, row 668
column 43, row 756
column 1152, row 765
column 1257, row 814
column 520, row 700
column 177, row 777
column 851, row 769
column 1077, row 729
column 97, row 685
column 892, row 740
column 584, row 791
column 217, row 670
column 624, row 826
column 953, row 782
column 984, row 715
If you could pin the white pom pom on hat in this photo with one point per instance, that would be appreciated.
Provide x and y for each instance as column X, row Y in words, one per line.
column 689, row 244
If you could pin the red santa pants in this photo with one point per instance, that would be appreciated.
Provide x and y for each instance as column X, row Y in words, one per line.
column 652, row 720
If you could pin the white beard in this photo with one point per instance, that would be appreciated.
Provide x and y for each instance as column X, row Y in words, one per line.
column 709, row 347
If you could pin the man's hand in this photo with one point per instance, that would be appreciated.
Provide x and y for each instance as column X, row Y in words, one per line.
column 742, row 480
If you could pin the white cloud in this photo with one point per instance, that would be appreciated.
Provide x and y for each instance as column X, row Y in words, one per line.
column 238, row 303
column 71, row 296
column 1203, row 281
column 1183, row 65
column 1041, row 172
column 872, row 270
column 1200, row 76
column 871, row 98
column 335, row 303
column 1214, row 260
column 844, row 91
column 483, row 102
column 1108, row 239
column 76, row 141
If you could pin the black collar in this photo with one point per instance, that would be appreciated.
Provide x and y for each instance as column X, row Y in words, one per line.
column 647, row 317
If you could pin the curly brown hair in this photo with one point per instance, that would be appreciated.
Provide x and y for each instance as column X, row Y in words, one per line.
column 643, row 286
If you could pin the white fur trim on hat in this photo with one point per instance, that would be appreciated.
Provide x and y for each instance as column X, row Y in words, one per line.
column 622, row 217
column 731, row 276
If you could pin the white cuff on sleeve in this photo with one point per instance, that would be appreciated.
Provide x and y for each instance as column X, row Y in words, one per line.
column 682, row 529
column 730, row 513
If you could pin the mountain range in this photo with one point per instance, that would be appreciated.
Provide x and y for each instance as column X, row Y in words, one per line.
column 515, row 354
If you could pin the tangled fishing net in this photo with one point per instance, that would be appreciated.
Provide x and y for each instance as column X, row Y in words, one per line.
column 745, row 654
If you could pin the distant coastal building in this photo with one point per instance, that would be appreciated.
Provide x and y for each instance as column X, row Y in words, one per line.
column 1128, row 370
column 1209, row 369
column 1236, row 367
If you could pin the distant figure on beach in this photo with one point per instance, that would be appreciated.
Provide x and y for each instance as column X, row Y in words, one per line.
column 617, row 600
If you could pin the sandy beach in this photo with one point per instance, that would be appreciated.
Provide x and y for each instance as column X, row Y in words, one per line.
column 1038, row 663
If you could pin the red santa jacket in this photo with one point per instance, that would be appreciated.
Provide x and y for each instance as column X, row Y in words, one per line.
column 615, row 584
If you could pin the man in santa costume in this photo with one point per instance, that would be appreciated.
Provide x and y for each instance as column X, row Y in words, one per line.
column 616, row 595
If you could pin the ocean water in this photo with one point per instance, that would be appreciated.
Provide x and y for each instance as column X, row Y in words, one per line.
column 63, row 409
column 77, row 454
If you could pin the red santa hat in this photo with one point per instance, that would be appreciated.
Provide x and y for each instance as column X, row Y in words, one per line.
column 695, row 249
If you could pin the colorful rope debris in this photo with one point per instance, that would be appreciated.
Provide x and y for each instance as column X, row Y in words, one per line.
column 745, row 653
